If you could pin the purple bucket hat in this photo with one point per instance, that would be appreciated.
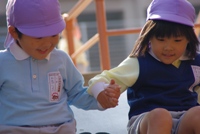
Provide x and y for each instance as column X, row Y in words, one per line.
column 178, row 11
column 35, row 18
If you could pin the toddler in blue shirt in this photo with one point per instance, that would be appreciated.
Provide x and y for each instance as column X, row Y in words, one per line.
column 38, row 83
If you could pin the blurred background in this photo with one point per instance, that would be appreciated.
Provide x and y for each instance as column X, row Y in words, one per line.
column 120, row 14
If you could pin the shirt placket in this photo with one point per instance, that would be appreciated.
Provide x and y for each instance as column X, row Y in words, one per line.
column 34, row 75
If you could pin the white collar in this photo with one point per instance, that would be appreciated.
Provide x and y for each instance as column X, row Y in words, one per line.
column 19, row 53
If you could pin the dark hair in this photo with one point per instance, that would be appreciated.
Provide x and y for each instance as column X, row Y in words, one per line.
column 160, row 28
column 18, row 33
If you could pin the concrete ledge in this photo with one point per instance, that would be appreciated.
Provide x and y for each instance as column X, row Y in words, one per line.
column 112, row 121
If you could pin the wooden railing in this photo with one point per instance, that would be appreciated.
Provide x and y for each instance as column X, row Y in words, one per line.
column 103, row 32
column 197, row 26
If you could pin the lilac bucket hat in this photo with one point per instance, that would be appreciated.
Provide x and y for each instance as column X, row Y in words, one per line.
column 35, row 18
column 178, row 11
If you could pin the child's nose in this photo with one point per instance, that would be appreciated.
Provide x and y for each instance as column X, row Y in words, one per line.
column 168, row 47
column 46, row 45
column 47, row 41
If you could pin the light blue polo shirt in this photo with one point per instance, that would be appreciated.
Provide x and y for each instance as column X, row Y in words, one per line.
column 39, row 92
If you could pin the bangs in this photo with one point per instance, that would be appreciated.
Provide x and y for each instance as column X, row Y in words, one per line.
column 169, row 29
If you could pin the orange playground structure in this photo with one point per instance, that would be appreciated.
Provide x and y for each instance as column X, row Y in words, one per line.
column 103, row 33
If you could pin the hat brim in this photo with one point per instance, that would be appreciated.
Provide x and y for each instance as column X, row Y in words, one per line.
column 44, row 31
column 171, row 18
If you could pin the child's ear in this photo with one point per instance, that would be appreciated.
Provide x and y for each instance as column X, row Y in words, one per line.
column 13, row 32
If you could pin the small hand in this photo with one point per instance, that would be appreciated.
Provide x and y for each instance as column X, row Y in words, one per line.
column 108, row 98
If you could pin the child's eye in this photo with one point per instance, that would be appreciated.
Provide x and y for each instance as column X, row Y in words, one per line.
column 177, row 40
column 54, row 35
column 160, row 39
column 37, row 38
column 42, row 37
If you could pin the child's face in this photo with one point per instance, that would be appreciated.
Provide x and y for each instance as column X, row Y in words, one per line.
column 168, row 50
column 38, row 48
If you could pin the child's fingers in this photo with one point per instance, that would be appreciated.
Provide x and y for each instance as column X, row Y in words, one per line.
column 112, row 92
column 116, row 88
column 113, row 102
column 112, row 82
column 107, row 101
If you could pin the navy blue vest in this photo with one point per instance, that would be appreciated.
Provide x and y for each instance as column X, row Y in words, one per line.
column 162, row 86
